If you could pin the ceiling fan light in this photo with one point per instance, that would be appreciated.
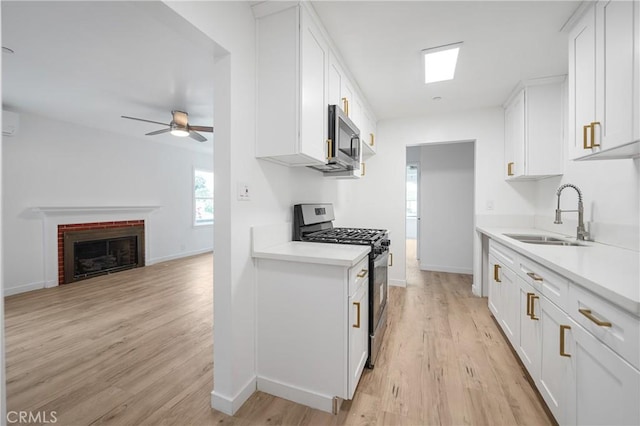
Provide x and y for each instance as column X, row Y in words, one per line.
column 179, row 132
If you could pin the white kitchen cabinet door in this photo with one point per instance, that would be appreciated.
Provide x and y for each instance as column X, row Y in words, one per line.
column 503, row 299
column 514, row 125
column 292, row 68
column 495, row 288
column 556, row 368
column 607, row 389
column 617, row 86
column 510, row 306
column 335, row 81
column 369, row 135
column 582, row 82
column 358, row 335
column 534, row 130
column 346, row 96
column 604, row 78
column 530, row 337
column 314, row 111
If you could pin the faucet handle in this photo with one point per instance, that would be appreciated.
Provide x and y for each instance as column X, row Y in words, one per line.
column 558, row 220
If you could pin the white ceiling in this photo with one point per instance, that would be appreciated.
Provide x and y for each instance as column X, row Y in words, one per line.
column 91, row 62
column 504, row 42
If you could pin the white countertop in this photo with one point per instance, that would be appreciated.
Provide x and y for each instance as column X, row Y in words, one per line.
column 321, row 253
column 611, row 272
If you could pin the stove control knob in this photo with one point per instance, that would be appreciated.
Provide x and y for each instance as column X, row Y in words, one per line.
column 386, row 243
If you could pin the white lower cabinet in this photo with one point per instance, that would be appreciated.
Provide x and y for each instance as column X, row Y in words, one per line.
column 605, row 389
column 312, row 329
column 358, row 335
column 554, row 382
column 529, row 348
column 503, row 290
column 585, row 374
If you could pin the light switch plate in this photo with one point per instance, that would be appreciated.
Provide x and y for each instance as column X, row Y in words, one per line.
column 244, row 194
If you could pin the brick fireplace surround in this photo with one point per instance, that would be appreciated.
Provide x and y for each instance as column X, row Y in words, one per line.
column 86, row 227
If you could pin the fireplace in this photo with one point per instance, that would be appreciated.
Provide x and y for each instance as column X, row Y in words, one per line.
column 92, row 249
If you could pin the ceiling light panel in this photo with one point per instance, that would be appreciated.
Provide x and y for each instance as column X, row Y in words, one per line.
column 440, row 62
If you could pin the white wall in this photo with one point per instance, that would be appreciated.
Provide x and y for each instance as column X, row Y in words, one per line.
column 447, row 208
column 231, row 25
column 53, row 163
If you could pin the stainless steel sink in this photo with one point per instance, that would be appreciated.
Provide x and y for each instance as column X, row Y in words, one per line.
column 542, row 239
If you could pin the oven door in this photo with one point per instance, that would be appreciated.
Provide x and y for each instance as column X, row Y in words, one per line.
column 378, row 294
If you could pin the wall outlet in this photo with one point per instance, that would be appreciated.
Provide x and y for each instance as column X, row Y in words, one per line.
column 243, row 191
column 489, row 204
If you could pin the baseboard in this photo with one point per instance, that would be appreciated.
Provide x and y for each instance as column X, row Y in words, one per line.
column 398, row 283
column 10, row 291
column 230, row 406
column 296, row 394
column 180, row 255
column 448, row 269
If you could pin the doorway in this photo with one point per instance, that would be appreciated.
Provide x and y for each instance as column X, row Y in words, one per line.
column 444, row 205
column 412, row 208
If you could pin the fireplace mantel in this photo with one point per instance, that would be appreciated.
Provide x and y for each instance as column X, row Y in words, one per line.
column 77, row 210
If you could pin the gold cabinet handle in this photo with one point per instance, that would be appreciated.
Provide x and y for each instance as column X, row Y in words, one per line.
column 329, row 149
column 362, row 273
column 534, row 276
column 587, row 313
column 562, row 349
column 593, row 134
column 496, row 273
column 585, row 145
column 357, row 324
column 364, row 169
column 372, row 139
column 510, row 169
column 390, row 259
column 345, row 106
column 529, row 304
column 532, row 314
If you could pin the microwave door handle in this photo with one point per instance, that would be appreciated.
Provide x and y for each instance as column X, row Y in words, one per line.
column 354, row 137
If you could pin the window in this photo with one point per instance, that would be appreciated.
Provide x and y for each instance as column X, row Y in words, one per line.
column 412, row 191
column 203, row 197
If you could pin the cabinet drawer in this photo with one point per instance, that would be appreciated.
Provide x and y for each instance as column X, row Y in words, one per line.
column 504, row 255
column 552, row 285
column 358, row 275
column 617, row 329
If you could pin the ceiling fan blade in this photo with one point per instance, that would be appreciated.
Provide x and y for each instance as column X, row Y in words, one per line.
column 201, row 128
column 142, row 119
column 197, row 136
column 157, row 132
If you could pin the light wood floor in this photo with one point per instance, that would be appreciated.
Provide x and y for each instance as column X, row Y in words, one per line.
column 135, row 348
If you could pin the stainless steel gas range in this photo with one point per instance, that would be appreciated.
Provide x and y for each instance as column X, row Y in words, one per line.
column 314, row 223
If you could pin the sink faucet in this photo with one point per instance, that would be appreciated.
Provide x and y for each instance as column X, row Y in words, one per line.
column 582, row 233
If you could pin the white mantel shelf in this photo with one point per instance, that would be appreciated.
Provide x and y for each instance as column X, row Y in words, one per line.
column 67, row 210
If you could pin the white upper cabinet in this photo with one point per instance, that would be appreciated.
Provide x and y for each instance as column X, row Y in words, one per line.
column 604, row 80
column 292, row 66
column 534, row 130
column 368, row 135
column 298, row 77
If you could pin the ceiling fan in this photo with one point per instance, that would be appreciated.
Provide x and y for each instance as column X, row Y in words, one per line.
column 179, row 126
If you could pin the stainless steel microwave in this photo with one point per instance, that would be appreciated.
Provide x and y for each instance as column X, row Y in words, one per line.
column 343, row 143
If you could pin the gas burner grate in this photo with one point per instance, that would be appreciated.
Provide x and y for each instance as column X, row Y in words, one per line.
column 347, row 236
